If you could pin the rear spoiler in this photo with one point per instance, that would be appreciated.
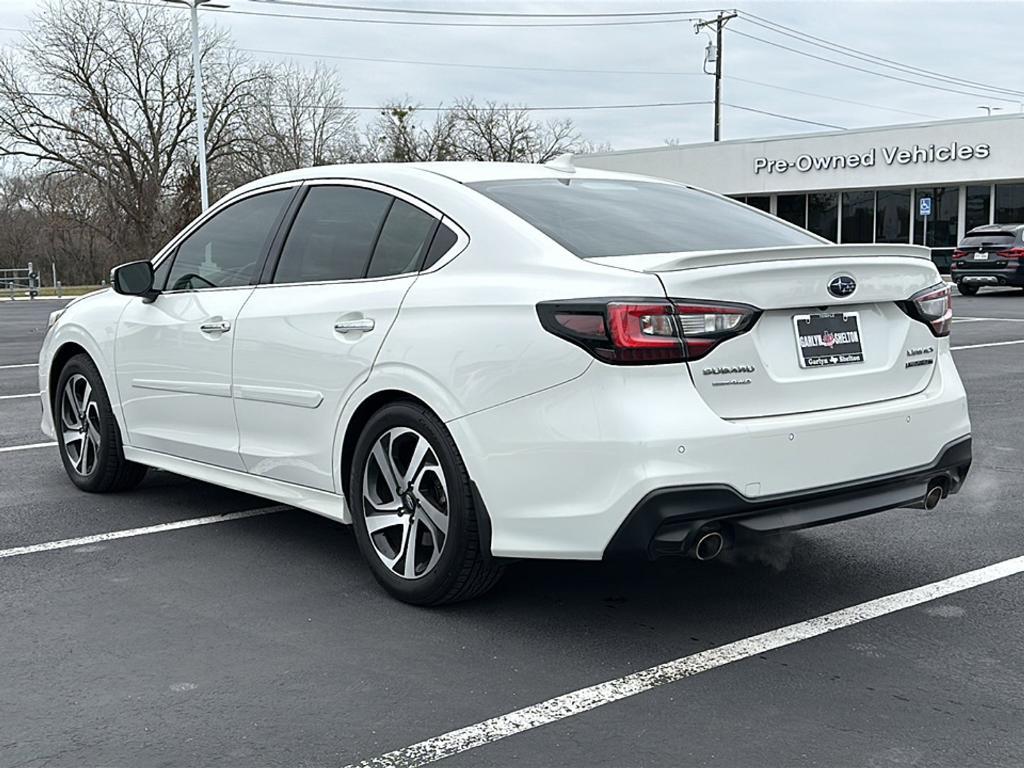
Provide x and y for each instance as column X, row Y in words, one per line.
column 671, row 262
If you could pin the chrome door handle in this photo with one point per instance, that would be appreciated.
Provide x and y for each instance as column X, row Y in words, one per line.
column 215, row 326
column 362, row 324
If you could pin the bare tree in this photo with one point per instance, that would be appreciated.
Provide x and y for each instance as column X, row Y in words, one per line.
column 103, row 91
column 398, row 135
column 468, row 131
column 298, row 120
column 509, row 133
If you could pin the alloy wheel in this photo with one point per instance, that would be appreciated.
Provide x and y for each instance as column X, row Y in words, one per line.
column 405, row 503
column 80, row 424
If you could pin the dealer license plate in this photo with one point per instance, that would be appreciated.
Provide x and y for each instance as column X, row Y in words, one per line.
column 828, row 339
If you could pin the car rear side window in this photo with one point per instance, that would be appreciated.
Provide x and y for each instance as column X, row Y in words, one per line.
column 612, row 217
column 333, row 235
column 228, row 249
column 403, row 241
column 443, row 241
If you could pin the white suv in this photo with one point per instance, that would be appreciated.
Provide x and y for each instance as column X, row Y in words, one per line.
column 472, row 362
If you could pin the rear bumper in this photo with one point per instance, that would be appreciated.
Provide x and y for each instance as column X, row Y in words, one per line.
column 561, row 470
column 667, row 521
column 996, row 276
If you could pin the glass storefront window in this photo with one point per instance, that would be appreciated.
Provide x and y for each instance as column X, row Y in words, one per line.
column 858, row 217
column 1009, row 203
column 761, row 202
column 792, row 208
column 892, row 217
column 942, row 223
column 823, row 214
column 977, row 207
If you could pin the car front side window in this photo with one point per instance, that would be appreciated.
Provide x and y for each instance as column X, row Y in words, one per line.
column 227, row 250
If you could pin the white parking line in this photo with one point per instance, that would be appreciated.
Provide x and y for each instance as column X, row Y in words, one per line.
column 28, row 447
column 989, row 344
column 988, row 319
column 20, row 365
column 585, row 699
column 129, row 533
column 18, row 397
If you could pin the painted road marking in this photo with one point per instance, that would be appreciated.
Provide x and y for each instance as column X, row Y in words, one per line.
column 16, row 397
column 988, row 319
column 989, row 344
column 20, row 365
column 585, row 699
column 28, row 447
column 49, row 546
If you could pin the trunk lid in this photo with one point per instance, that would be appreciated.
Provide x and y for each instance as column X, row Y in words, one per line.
column 760, row 373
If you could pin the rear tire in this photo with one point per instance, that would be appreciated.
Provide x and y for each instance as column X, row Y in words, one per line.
column 88, row 436
column 413, row 511
column 967, row 290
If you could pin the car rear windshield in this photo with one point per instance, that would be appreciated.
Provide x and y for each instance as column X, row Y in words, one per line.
column 998, row 239
column 609, row 217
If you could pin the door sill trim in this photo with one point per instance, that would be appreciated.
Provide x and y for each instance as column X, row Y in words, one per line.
column 325, row 503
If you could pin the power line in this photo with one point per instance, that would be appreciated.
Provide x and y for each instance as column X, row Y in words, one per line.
column 826, row 96
column 784, row 117
column 514, row 68
column 486, row 14
column 869, row 71
column 384, row 107
column 467, row 65
column 409, row 22
column 855, row 53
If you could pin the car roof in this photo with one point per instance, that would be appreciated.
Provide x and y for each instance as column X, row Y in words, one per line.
column 984, row 228
column 464, row 172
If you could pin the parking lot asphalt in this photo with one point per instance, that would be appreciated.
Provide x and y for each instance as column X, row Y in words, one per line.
column 264, row 641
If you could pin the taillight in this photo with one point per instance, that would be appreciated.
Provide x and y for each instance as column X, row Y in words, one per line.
column 959, row 254
column 1014, row 254
column 645, row 331
column 932, row 306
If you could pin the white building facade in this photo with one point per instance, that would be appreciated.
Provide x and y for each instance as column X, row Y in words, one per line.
column 861, row 186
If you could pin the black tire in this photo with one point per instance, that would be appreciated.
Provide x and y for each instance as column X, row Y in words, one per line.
column 462, row 570
column 967, row 290
column 106, row 470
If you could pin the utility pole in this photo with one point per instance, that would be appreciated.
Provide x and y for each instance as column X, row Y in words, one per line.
column 197, row 76
column 719, row 23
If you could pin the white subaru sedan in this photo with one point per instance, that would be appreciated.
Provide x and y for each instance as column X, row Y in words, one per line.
column 476, row 362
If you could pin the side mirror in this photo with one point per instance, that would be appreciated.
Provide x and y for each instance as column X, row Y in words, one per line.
column 134, row 279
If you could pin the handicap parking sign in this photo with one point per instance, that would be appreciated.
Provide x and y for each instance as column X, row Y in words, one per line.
column 924, row 206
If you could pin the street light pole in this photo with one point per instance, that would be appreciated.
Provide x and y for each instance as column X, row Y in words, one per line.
column 197, row 77
column 197, row 71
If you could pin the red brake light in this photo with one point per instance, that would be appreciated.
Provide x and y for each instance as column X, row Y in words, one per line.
column 646, row 331
column 932, row 306
column 1011, row 254
column 958, row 254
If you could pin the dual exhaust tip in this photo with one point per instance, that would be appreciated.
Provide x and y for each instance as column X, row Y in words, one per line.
column 709, row 542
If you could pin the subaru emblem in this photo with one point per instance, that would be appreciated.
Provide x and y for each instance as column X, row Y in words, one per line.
column 842, row 286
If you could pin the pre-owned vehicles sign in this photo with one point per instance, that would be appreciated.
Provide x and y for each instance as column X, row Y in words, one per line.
column 889, row 155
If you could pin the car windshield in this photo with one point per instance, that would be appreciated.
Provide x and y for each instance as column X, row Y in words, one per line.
column 611, row 217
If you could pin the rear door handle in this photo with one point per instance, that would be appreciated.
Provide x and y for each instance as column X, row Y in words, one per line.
column 359, row 324
column 215, row 326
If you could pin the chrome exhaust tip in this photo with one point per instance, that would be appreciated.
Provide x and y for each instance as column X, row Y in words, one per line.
column 933, row 496
column 708, row 546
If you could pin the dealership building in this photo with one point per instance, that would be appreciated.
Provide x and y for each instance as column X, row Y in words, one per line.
column 863, row 185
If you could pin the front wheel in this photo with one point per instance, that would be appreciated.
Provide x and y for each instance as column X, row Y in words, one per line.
column 967, row 290
column 413, row 510
column 88, row 437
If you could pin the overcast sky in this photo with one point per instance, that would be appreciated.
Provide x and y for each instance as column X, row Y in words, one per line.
column 974, row 41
